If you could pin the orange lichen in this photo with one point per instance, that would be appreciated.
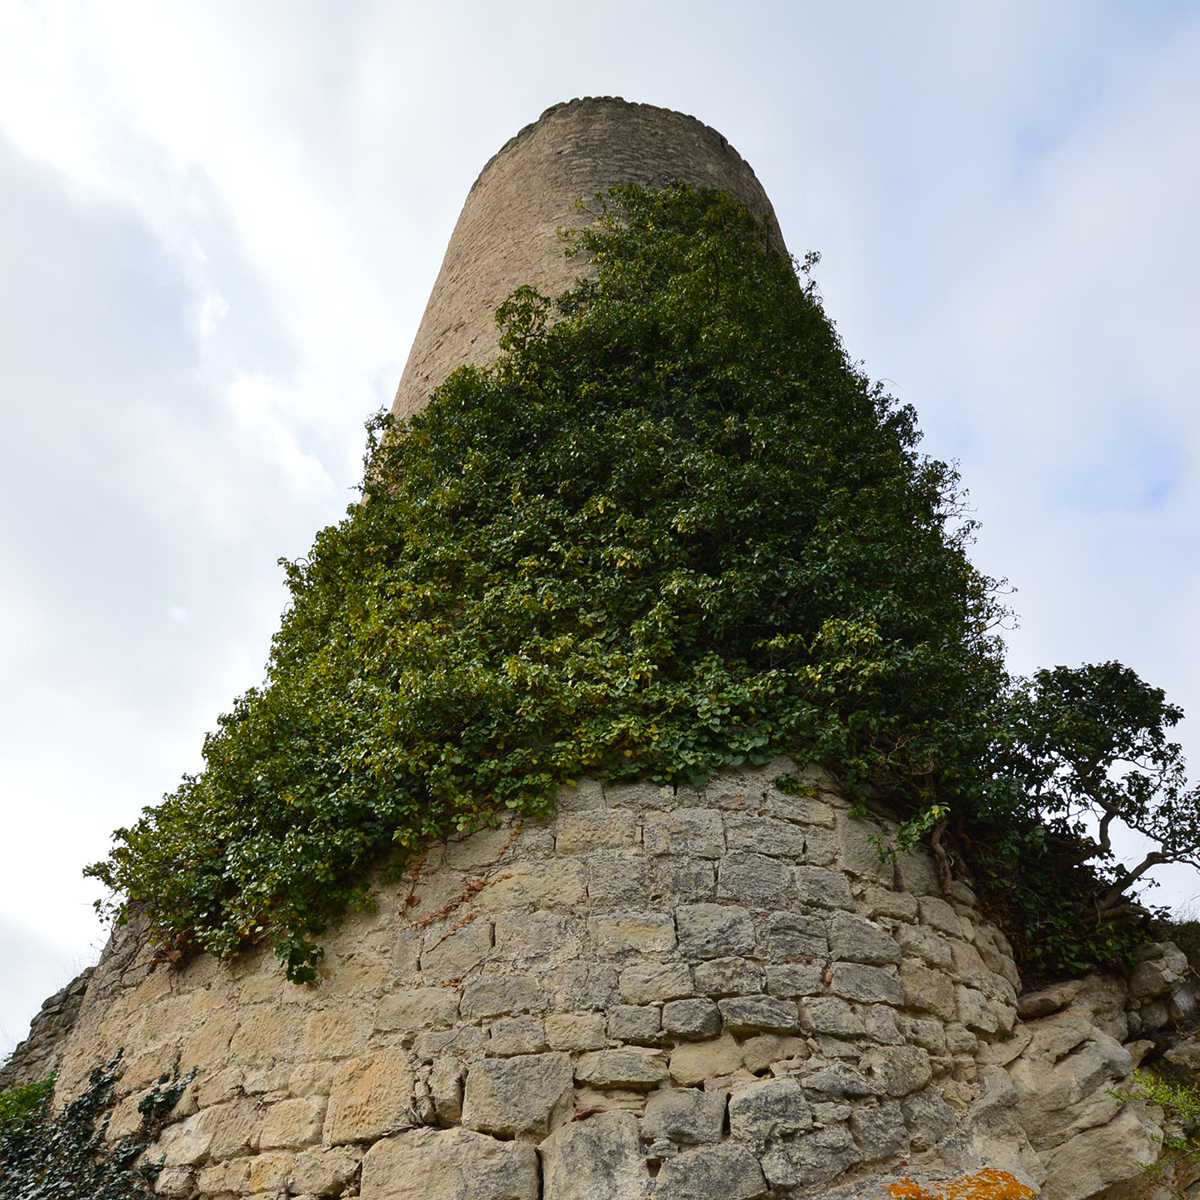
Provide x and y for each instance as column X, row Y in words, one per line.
column 988, row 1184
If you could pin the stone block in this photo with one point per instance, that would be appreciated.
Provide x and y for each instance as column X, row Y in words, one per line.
column 681, row 880
column 753, row 879
column 759, row 1014
column 479, row 850
column 597, row 1159
column 692, row 1019
column 634, row 1023
column 928, row 991
column 269, row 1173
column 465, row 1043
column 617, row 878
column 729, row 1171
column 694, row 1062
column 542, row 939
column 450, row 955
column 856, row 939
column 583, row 796
column 765, row 1112
column 728, row 977
column 685, row 1115
column 880, row 1130
column 627, row 933
column 828, row 1014
column 516, row 1035
column 445, row 1090
column 787, row 936
column 579, row 985
column 449, row 1164
column 821, row 887
column 928, row 944
column 370, row 1094
column 766, row 1049
column 820, row 847
column 627, row 1067
column 866, row 984
column 803, row 810
column 525, row 1096
column 764, row 835
column 648, row 983
column 937, row 914
column 231, row 1176
column 795, row 979
column 293, row 1123
column 324, row 1171
column 553, row 884
column 858, row 853
column 883, row 902
column 696, row 832
column 897, row 1070
column 823, row 1155
column 931, row 1035
column 576, row 1031
column 916, row 873
column 418, row 1008
column 640, row 794
column 837, row 1081
column 264, row 1033
column 498, row 995
column 714, row 930
column 601, row 829
column 928, row 1118
column 974, row 1010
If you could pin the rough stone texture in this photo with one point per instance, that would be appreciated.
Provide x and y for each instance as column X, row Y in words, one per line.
column 523, row 1096
column 452, row 1164
column 40, row 1053
column 597, row 1159
column 729, row 1171
column 507, row 232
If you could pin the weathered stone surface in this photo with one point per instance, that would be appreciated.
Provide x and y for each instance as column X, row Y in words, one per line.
column 632, row 933
column 617, row 878
column 1096, row 1158
column 836, row 1081
column 452, row 955
column 828, row 1014
column 445, row 1090
column 698, row 832
column 936, row 913
column 576, row 1031
column 866, row 984
column 635, row 1023
column 764, row 836
column 928, row 1118
column 820, row 886
column 695, row 1062
column 788, row 936
column 685, row 1115
column 601, row 829
column 767, row 1111
column 324, row 1171
column 597, row 1159
column 753, row 879
column 728, row 977
column 823, row 1154
column 517, row 1035
column 897, row 1070
column 418, row 1008
column 497, row 995
column 1159, row 975
column 450, row 1164
column 518, row 1097
column 858, row 853
column 696, row 1018
column 292, row 1123
column 768, row 1049
column 759, row 1014
column 536, row 939
column 630, row 1067
column 648, row 983
column 857, row 940
column 554, row 884
column 714, row 930
column 928, row 991
column 370, row 1094
column 729, row 1171
column 879, row 1130
column 795, row 979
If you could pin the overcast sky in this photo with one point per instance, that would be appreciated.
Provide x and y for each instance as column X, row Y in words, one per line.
column 219, row 225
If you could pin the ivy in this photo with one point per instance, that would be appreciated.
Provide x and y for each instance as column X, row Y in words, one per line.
column 673, row 528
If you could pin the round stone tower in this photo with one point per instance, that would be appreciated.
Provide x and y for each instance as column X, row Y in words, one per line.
column 507, row 233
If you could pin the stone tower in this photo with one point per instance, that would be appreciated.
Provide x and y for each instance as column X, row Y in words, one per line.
column 653, row 993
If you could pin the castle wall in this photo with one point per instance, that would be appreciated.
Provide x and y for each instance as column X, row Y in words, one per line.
column 506, row 234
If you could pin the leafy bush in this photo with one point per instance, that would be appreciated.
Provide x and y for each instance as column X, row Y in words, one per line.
column 672, row 529
column 64, row 1155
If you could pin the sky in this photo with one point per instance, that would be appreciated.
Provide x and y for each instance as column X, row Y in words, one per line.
column 220, row 222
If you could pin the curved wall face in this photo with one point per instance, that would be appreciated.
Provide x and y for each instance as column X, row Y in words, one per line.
column 507, row 232
column 714, row 993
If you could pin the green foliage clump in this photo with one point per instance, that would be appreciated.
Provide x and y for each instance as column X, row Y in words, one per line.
column 65, row 1155
column 672, row 529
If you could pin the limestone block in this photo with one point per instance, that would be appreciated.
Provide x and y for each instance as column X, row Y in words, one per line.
column 525, row 1096
column 697, row 832
column 768, row 1049
column 464, row 1042
column 577, row 1031
column 370, row 1094
column 828, row 1014
column 835, row 1081
column 229, row 1176
column 694, row 1062
column 795, row 979
column 324, row 1171
column 597, row 1159
column 729, row 1171
column 450, row 955
column 937, row 914
column 479, row 850
column 767, row 1111
column 648, row 983
column 787, row 936
column 450, row 1164
column 803, row 810
column 764, row 835
column 755, row 880
column 882, row 1025
column 974, row 1011
column 517, row 1035
column 918, row 941
column 269, row 1173
column 759, row 1014
column 497, row 995
column 897, row 1070
column 714, row 930
column 336, row 1033
column 579, row 985
column 916, row 873
column 879, row 1130
column 684, row 1115
column 638, row 795
column 601, row 829
column 858, row 940
column 445, row 1090
column 929, row 1034
column 554, row 884
column 582, row 796
column 680, row 880
column 628, row 1067
column 928, row 991
column 866, row 984
column 858, row 854
column 627, row 933
column 820, row 847
column 536, row 938
column 693, row 1019
column 177, row 1182
column 1159, row 975
column 634, row 1023
column 292, row 1123
column 928, row 1118
column 821, row 886
column 728, row 977
column 418, row 1008
column 616, row 878
column 883, row 902
column 824, row 1154
column 265, row 1033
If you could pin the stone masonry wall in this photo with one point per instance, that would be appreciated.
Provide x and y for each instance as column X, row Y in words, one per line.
column 654, row 992
column 506, row 234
